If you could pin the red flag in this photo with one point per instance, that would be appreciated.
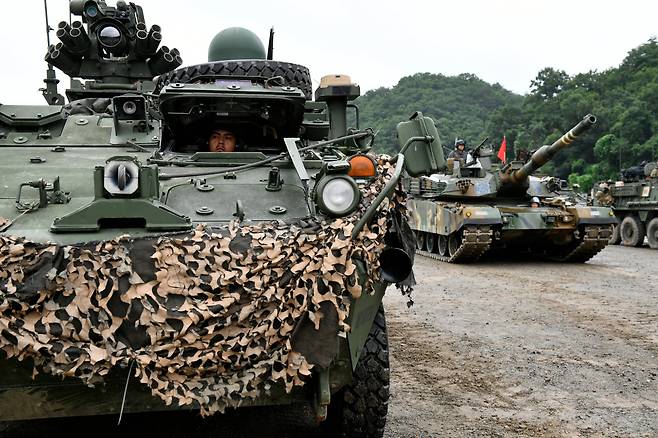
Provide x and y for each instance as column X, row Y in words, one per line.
column 502, row 150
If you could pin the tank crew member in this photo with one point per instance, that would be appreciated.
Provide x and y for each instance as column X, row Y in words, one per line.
column 222, row 140
column 603, row 195
column 534, row 202
column 460, row 150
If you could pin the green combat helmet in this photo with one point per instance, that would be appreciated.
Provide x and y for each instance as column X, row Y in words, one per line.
column 469, row 206
column 133, row 256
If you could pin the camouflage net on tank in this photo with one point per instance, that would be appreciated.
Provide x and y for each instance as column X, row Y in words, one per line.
column 205, row 317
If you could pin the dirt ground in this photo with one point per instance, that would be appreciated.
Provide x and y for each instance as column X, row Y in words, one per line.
column 503, row 348
column 499, row 348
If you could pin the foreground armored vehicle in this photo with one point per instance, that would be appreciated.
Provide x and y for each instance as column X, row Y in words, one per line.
column 472, row 206
column 634, row 198
column 130, row 253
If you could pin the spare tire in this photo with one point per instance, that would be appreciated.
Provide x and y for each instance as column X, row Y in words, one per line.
column 293, row 75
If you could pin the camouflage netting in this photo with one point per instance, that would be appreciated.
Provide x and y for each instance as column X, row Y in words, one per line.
column 205, row 317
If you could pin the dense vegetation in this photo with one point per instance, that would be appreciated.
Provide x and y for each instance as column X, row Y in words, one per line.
column 625, row 100
column 460, row 105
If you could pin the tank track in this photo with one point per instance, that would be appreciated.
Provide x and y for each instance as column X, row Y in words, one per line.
column 595, row 238
column 475, row 241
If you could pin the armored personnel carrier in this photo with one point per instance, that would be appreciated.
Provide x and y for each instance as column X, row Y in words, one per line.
column 139, row 271
column 474, row 205
column 634, row 198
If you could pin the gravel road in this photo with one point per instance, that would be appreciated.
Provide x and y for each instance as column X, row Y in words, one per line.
column 501, row 348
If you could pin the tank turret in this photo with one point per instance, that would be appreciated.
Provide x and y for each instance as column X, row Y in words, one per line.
column 112, row 46
column 544, row 154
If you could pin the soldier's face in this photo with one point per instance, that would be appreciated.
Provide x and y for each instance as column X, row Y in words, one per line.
column 221, row 141
column 460, row 147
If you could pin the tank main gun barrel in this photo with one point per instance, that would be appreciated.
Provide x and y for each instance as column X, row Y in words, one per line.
column 545, row 153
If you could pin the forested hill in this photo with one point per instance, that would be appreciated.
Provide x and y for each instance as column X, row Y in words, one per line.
column 461, row 106
column 624, row 99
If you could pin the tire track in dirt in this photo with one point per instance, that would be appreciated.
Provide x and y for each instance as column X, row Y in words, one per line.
column 448, row 375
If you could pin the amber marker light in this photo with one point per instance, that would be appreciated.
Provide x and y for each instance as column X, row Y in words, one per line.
column 362, row 166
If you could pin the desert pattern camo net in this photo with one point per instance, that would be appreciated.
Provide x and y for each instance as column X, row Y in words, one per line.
column 208, row 317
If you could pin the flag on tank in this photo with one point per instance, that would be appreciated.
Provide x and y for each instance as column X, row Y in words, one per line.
column 503, row 150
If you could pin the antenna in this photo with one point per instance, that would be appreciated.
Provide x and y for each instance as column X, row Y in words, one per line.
column 50, row 92
column 270, row 46
column 48, row 28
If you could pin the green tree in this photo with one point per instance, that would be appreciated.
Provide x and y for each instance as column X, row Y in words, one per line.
column 548, row 83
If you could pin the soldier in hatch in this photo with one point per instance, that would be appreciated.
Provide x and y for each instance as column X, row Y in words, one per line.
column 460, row 150
column 603, row 194
column 222, row 140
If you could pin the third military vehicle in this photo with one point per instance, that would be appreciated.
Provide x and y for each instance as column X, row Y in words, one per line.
column 634, row 198
column 471, row 206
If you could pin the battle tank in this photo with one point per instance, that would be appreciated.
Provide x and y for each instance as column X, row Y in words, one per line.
column 474, row 205
column 129, row 253
column 634, row 198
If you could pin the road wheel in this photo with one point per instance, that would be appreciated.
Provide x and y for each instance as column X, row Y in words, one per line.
column 615, row 237
column 359, row 410
column 292, row 75
column 652, row 233
column 430, row 242
column 632, row 231
column 442, row 244
column 453, row 243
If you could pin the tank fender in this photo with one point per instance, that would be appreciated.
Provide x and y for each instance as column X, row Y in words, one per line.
column 481, row 215
column 445, row 218
column 595, row 215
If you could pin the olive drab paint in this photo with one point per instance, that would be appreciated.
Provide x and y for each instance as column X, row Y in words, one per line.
column 634, row 199
column 222, row 279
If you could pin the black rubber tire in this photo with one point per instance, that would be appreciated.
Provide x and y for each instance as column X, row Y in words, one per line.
column 652, row 233
column 359, row 410
column 615, row 237
column 632, row 231
column 293, row 75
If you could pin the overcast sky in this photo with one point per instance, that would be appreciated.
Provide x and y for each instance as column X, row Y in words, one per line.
column 376, row 42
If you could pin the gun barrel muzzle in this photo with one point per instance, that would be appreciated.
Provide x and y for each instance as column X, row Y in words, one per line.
column 545, row 153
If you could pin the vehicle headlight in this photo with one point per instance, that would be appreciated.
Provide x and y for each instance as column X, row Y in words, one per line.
column 338, row 195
